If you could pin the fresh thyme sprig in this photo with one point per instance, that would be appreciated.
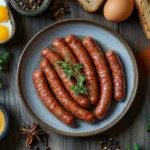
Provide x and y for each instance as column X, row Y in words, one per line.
column 3, row 59
column 1, row 84
column 74, row 71
column 135, row 147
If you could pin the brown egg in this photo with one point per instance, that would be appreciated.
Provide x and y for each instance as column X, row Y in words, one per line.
column 118, row 10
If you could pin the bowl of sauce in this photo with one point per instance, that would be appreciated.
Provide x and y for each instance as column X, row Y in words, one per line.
column 4, row 122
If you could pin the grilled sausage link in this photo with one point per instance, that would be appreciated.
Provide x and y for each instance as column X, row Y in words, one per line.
column 118, row 75
column 53, row 58
column 103, row 74
column 62, row 95
column 49, row 100
column 63, row 49
column 89, row 71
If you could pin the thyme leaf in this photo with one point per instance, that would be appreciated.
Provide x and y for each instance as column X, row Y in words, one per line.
column 75, row 72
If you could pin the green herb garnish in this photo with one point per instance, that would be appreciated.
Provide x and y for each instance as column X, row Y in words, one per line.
column 3, row 59
column 1, row 84
column 74, row 71
column 148, row 127
column 135, row 147
column 127, row 148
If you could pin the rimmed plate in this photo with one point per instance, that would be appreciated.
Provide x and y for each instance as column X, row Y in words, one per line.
column 31, row 57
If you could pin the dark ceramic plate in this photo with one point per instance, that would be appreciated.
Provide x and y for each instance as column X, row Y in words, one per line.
column 31, row 57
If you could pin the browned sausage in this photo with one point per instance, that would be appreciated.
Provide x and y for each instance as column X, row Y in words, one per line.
column 103, row 74
column 53, row 57
column 62, row 95
column 90, row 73
column 62, row 48
column 118, row 76
column 49, row 100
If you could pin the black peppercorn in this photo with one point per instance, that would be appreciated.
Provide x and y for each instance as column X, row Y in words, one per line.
column 29, row 4
column 109, row 144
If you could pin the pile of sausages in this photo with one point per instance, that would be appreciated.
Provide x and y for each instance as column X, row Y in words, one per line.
column 104, row 80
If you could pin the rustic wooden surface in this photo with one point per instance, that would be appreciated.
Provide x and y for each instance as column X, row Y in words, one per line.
column 132, row 128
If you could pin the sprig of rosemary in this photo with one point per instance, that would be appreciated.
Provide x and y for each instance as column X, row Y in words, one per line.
column 148, row 127
column 135, row 147
column 74, row 71
column 3, row 59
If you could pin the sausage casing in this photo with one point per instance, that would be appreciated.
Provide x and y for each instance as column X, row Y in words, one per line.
column 89, row 70
column 62, row 95
column 53, row 58
column 103, row 74
column 63, row 49
column 118, row 75
column 49, row 100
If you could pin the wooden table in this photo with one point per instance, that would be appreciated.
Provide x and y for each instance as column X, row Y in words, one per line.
column 132, row 128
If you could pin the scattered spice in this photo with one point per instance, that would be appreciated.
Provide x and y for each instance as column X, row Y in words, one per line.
column 32, row 133
column 29, row 4
column 2, row 121
column 109, row 144
column 58, row 8
column 148, row 127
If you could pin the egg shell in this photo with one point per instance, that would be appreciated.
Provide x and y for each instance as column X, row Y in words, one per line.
column 118, row 10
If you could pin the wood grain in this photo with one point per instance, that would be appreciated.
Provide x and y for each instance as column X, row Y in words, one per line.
column 132, row 128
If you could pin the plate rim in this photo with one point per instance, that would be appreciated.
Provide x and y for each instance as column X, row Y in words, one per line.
column 132, row 97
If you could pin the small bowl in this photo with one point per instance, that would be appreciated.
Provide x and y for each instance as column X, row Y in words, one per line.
column 37, row 11
column 13, row 25
column 6, row 115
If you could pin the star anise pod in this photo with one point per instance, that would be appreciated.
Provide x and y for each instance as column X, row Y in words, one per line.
column 32, row 133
